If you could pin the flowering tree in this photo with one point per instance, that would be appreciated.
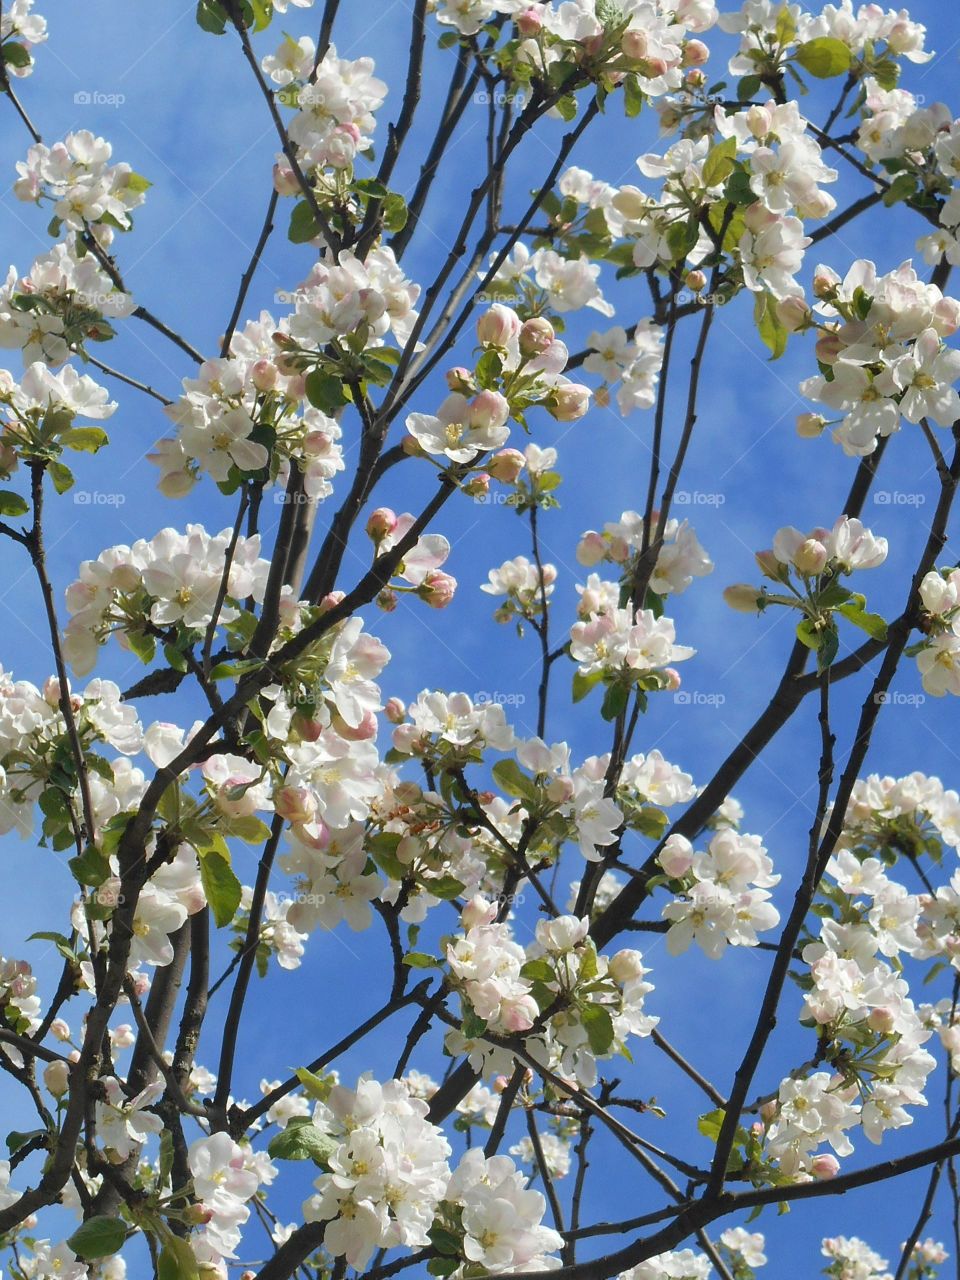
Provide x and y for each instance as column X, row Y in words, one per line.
column 498, row 871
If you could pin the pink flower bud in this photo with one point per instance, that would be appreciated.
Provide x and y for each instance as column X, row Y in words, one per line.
column 460, row 379
column 478, row 911
column 285, row 180
column 881, row 1020
column 793, row 312
column 381, row 523
column 295, row 804
column 770, row 566
column 478, row 486
column 676, row 856
column 363, row 732
column 411, row 447
column 488, row 409
column 264, row 375
column 759, row 121
column 497, row 326
column 824, row 1167
column 395, row 711
column 769, row 1111
column 536, row 335
column 568, row 401
column 560, row 790
column 529, row 22
column 437, row 589
column 331, row 600
column 591, row 549
column 673, row 679
column 695, row 281
column 306, row 727
column 825, row 282
column 695, row 54
column 59, row 1029
column 635, row 44
column 810, row 558
column 506, row 465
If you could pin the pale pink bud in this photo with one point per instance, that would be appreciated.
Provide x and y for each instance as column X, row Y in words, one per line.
column 560, row 790
column 634, row 44
column 695, row 281
column 591, row 549
column 825, row 282
column 676, row 856
column 536, row 335
column 51, row 691
column 123, row 1037
column 489, row 409
column 381, row 523
column 394, row 710
column 770, row 566
column 828, row 348
column 618, row 550
column 695, row 54
column 568, row 402
column 437, row 589
column 460, row 379
column 768, row 1112
column 824, row 1167
column 59, row 1029
column 295, row 804
column 816, row 204
column 306, row 727
column 296, row 389
column 881, row 1020
column 506, row 465
column 759, row 121
column 529, row 22
column 631, row 202
column 56, row 1076
column 811, row 557
column 387, row 600
column 478, row 911
column 742, row 597
column 497, row 326
column 810, row 425
column 411, row 447
column 264, row 375
column 478, row 486
column 331, row 600
column 674, row 679
column 793, row 312
column 694, row 78
column 285, row 180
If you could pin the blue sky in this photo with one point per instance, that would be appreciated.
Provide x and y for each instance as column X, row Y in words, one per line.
column 187, row 115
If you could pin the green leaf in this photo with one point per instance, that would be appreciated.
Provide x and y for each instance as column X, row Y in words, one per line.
column 143, row 646
column 827, row 648
column 538, row 971
column 302, row 1140
column 137, row 182
column 16, row 55
column 248, row 829
column 772, row 333
column 61, row 475
column 420, row 960
column 583, row 684
column 903, row 187
column 445, row 887
column 221, row 887
column 748, row 88
column 599, row 1027
column 718, row 165
column 682, row 237
column 303, row 225
column 711, row 1124
column 395, row 212
column 315, row 1085
column 16, row 1140
column 11, row 504
column 84, row 439
column 325, row 392
column 212, row 17
column 786, row 27
column 614, row 701
column 632, row 97
column 567, row 107
column 871, row 623
column 510, row 778
column 98, row 1237
column 90, row 867
column 176, row 1261
column 473, row 1026
column 824, row 57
